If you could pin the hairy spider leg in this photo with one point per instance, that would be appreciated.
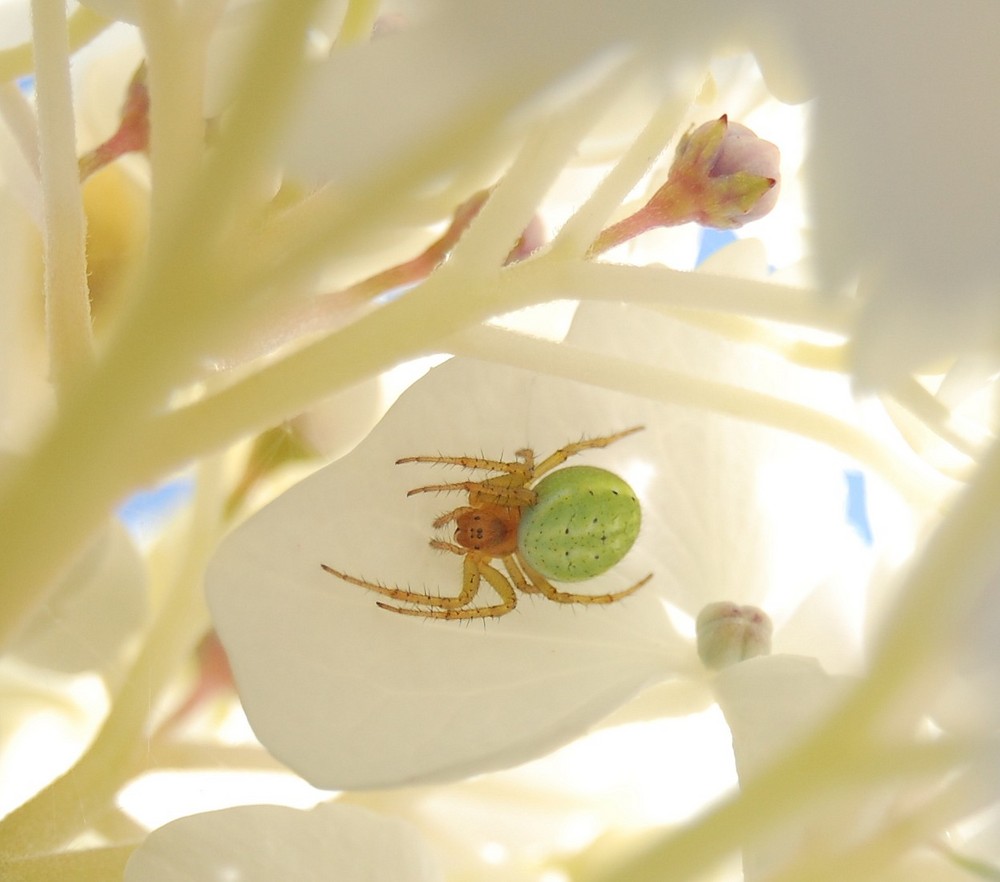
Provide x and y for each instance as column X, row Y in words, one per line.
column 564, row 453
column 517, row 576
column 473, row 571
column 542, row 586
column 525, row 455
column 465, row 596
column 507, row 491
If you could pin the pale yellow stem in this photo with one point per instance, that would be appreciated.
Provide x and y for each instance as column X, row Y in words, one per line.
column 86, row 865
column 359, row 19
column 661, row 286
column 67, row 299
column 912, row 827
column 175, row 65
column 487, row 242
column 918, row 484
column 583, row 227
column 836, row 357
column 57, row 497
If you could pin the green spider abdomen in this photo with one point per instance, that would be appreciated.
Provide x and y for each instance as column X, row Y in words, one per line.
column 585, row 521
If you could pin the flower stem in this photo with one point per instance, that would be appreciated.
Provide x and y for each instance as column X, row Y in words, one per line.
column 869, row 858
column 611, row 372
column 358, row 22
column 67, row 300
column 582, row 228
column 665, row 287
column 89, row 460
column 86, row 865
column 627, row 228
column 800, row 779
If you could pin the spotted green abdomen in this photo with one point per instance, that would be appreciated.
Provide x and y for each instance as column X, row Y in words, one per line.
column 585, row 521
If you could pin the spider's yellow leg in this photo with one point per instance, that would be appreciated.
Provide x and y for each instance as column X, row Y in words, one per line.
column 473, row 572
column 544, row 587
column 517, row 577
column 515, row 496
column 564, row 453
column 474, row 462
column 464, row 598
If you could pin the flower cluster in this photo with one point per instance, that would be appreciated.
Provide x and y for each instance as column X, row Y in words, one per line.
column 459, row 440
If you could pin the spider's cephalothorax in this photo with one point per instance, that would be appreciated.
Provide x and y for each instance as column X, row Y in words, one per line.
column 572, row 525
column 489, row 528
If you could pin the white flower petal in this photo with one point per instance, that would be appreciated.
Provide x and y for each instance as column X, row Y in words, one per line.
column 48, row 720
column 96, row 607
column 15, row 23
column 102, row 71
column 353, row 696
column 746, row 513
column 262, row 843
column 902, row 169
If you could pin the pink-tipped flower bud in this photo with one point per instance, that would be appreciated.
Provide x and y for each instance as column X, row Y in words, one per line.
column 729, row 633
column 723, row 176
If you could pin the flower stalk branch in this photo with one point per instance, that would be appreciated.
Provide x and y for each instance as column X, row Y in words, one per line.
column 177, row 308
column 132, row 134
column 584, row 225
column 85, row 865
column 508, row 347
column 359, row 19
column 806, row 776
column 67, row 299
column 896, row 835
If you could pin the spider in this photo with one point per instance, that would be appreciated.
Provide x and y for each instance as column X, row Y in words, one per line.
column 574, row 524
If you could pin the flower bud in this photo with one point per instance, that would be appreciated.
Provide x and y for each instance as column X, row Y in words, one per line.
column 723, row 176
column 729, row 633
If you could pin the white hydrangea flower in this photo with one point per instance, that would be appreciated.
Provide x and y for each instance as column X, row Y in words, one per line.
column 265, row 241
column 330, row 681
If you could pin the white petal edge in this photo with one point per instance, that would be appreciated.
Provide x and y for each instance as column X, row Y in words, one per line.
column 263, row 843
